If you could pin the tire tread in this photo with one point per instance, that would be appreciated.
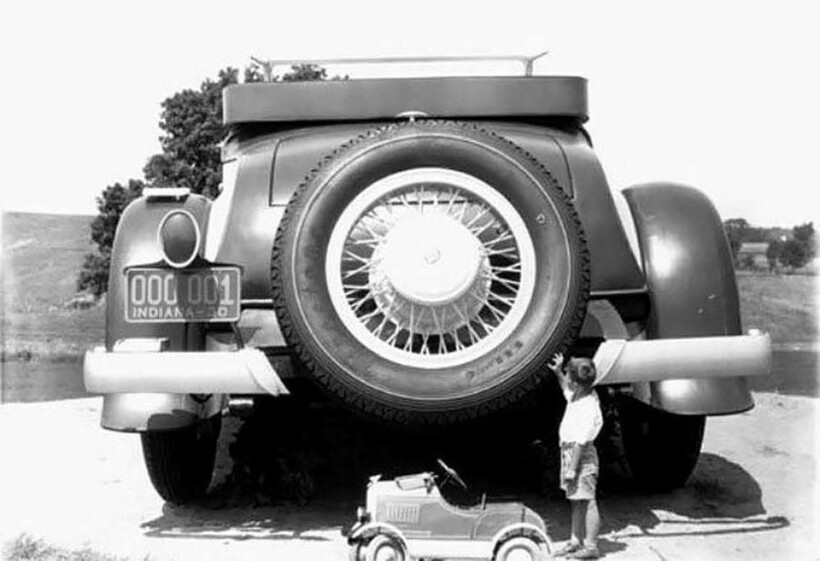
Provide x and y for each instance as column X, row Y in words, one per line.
column 180, row 462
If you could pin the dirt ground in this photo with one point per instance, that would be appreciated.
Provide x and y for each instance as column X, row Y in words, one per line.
column 753, row 496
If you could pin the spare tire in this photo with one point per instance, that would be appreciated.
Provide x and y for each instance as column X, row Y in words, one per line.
column 427, row 271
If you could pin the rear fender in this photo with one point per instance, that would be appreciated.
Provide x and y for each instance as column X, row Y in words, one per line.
column 693, row 291
column 136, row 243
column 143, row 412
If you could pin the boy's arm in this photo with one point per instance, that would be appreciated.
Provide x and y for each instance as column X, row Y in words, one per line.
column 556, row 365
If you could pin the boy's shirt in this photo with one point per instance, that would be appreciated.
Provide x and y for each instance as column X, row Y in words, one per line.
column 582, row 419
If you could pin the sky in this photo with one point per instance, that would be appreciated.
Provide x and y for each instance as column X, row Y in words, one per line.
column 719, row 95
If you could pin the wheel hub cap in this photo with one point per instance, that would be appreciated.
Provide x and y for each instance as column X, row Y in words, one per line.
column 435, row 263
column 430, row 267
column 519, row 555
column 430, row 259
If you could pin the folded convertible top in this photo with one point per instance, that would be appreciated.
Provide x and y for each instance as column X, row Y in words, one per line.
column 351, row 100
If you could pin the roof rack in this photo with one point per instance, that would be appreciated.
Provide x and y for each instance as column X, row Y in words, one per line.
column 527, row 61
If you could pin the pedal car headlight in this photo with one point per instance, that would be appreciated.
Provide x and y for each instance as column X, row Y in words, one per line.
column 361, row 515
column 179, row 238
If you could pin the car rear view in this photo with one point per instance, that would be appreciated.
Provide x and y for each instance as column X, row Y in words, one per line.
column 418, row 249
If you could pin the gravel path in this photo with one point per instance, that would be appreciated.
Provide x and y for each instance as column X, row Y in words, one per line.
column 753, row 496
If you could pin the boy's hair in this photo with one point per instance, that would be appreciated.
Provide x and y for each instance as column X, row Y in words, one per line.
column 581, row 371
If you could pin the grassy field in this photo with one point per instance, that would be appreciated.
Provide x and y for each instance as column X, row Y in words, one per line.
column 42, row 255
column 784, row 305
column 29, row 548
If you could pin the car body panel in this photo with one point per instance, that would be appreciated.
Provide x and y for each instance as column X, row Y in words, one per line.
column 251, row 224
column 614, row 267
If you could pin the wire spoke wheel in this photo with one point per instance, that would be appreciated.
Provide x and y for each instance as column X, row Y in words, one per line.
column 430, row 267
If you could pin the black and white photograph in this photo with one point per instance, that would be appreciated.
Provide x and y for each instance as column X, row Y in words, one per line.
column 371, row 281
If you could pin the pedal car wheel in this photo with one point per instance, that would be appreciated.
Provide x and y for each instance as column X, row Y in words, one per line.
column 385, row 548
column 356, row 552
column 520, row 549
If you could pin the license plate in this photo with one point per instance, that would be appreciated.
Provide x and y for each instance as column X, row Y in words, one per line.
column 171, row 295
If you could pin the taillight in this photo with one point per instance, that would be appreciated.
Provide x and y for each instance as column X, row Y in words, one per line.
column 179, row 238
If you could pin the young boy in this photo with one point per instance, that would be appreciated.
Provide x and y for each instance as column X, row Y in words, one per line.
column 580, row 425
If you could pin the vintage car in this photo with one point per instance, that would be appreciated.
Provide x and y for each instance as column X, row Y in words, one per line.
column 418, row 248
column 408, row 518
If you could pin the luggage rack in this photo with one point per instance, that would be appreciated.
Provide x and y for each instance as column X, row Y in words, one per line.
column 527, row 61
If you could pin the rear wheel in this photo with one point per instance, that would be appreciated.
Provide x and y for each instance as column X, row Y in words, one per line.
column 427, row 271
column 180, row 462
column 661, row 448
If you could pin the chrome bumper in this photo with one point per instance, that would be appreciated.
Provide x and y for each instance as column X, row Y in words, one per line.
column 248, row 371
column 245, row 371
column 620, row 361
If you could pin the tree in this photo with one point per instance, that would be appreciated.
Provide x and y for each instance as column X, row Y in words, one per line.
column 734, row 228
column 191, row 122
column 800, row 249
column 804, row 234
column 748, row 263
column 262, row 71
column 111, row 203
column 794, row 254
column 739, row 231
column 773, row 253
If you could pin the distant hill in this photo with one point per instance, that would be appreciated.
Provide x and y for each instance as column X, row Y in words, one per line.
column 41, row 256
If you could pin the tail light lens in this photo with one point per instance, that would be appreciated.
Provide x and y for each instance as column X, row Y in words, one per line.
column 179, row 238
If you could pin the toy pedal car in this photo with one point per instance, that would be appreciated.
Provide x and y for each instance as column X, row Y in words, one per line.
column 408, row 518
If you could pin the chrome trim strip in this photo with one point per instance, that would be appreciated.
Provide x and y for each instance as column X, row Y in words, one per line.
column 527, row 61
column 256, row 303
column 160, row 193
column 597, row 294
column 161, row 241
column 220, row 209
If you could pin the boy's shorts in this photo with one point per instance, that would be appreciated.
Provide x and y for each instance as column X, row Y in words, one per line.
column 582, row 488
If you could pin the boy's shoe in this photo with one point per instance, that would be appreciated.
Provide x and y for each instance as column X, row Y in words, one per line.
column 586, row 552
column 568, row 548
